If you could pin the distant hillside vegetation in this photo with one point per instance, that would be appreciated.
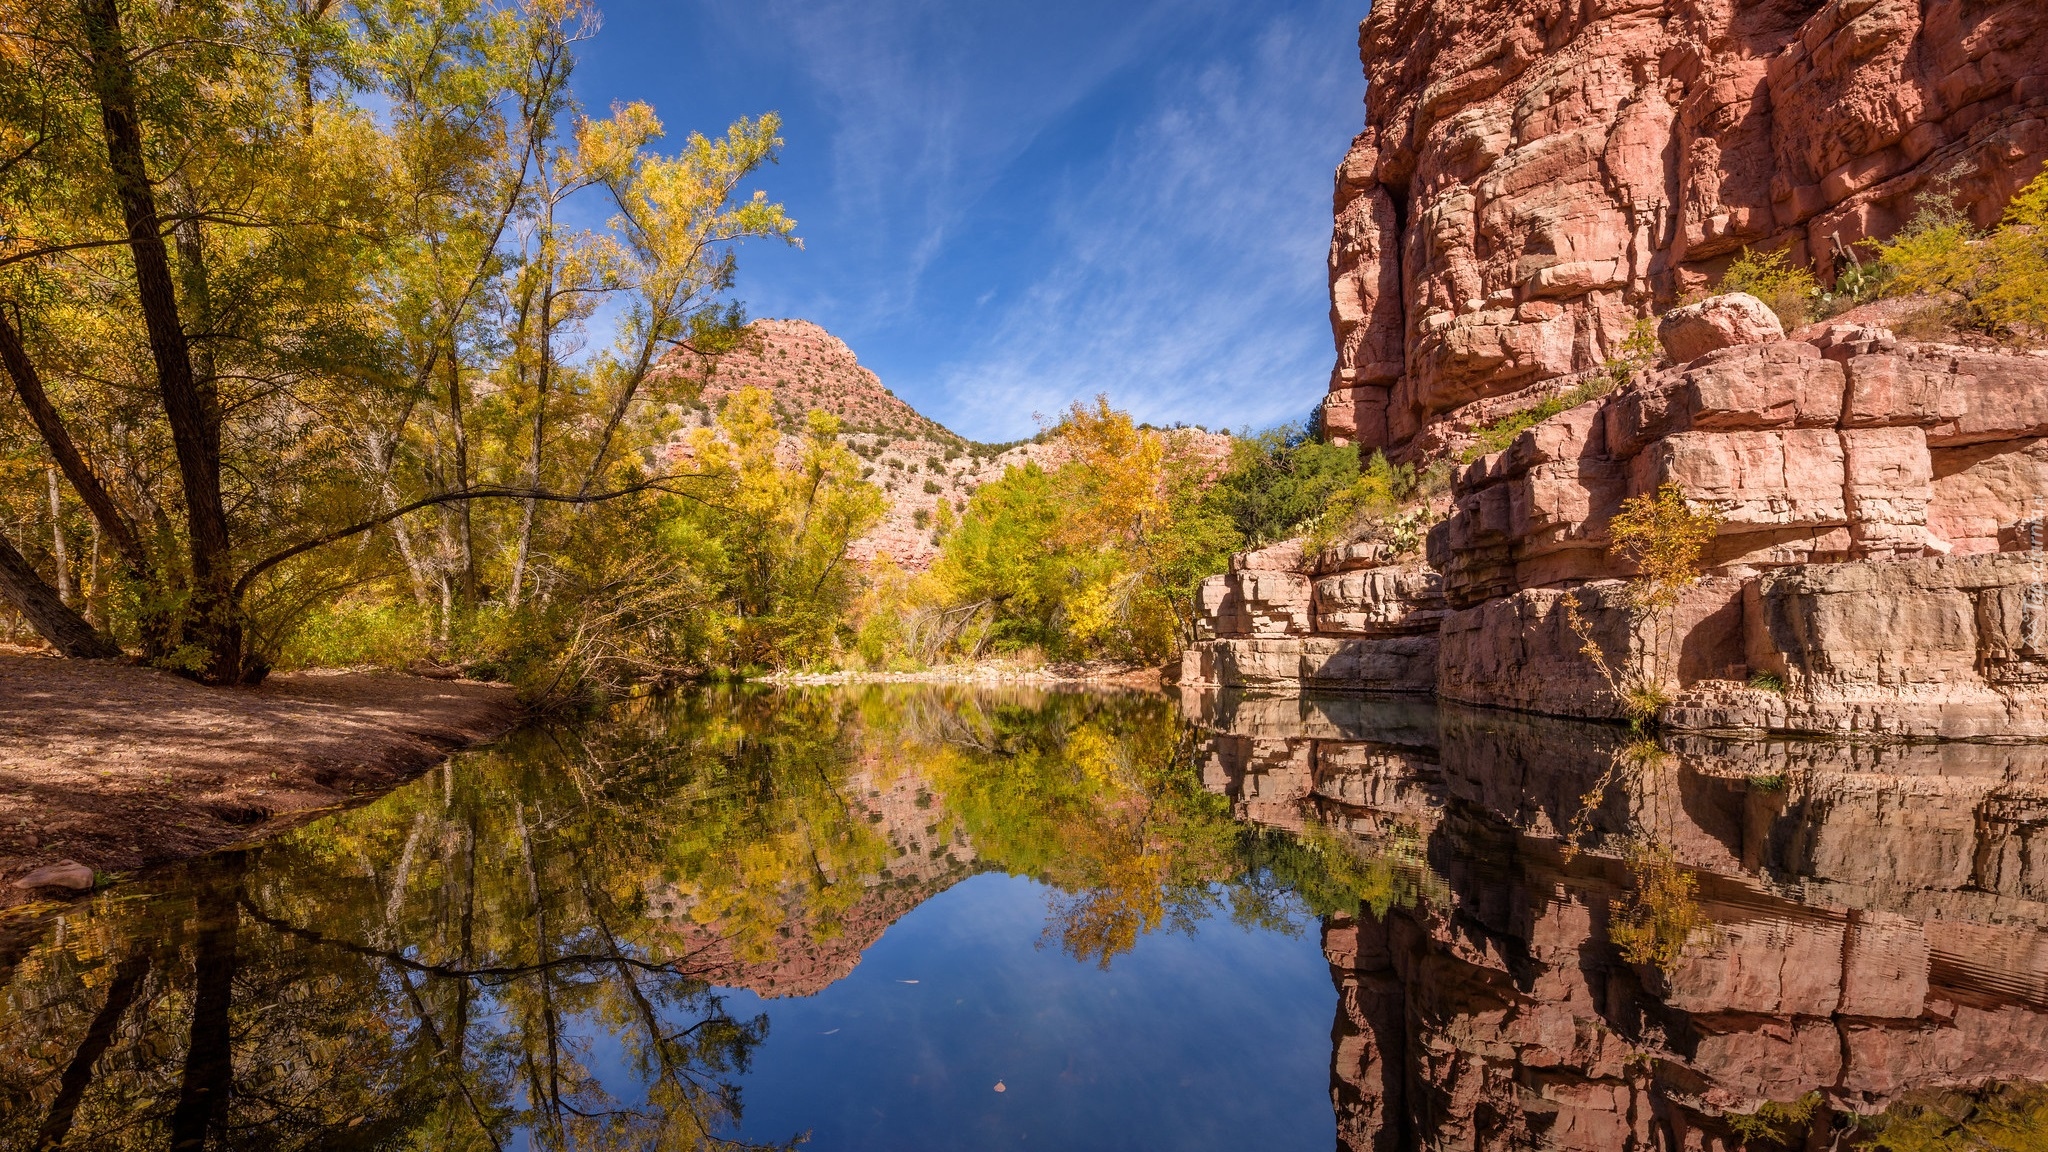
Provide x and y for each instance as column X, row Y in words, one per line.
column 917, row 461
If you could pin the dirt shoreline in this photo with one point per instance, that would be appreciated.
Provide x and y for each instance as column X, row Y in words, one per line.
column 119, row 767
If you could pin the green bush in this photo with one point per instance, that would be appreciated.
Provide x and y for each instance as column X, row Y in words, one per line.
column 1786, row 288
column 1280, row 481
column 352, row 634
column 1495, row 437
column 1995, row 283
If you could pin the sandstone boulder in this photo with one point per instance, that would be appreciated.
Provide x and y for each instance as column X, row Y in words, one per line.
column 1754, row 480
column 1521, row 651
column 1724, row 321
column 1845, row 342
column 1887, row 390
column 63, row 876
column 1405, row 663
column 1260, row 602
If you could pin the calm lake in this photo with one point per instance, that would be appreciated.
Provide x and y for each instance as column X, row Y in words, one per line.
column 920, row 918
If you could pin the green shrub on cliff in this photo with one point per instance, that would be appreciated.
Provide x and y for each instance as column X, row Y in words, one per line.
column 1496, row 436
column 1380, row 503
column 1280, row 480
column 1785, row 288
column 1995, row 283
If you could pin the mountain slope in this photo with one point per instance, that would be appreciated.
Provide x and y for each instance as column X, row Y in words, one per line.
column 805, row 367
column 917, row 461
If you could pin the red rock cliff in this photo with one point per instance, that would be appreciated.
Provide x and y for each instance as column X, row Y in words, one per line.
column 1535, row 175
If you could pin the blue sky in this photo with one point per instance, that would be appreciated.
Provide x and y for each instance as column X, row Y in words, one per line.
column 1012, row 204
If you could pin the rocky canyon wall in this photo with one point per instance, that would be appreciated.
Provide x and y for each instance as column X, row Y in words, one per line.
column 1877, row 568
column 1534, row 181
column 1534, row 176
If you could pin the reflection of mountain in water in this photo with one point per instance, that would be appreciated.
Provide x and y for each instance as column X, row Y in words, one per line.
column 928, row 853
column 526, row 948
column 1875, row 925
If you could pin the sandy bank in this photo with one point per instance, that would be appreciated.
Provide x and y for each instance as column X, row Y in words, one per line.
column 118, row 767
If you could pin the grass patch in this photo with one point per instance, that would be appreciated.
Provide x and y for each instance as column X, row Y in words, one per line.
column 1495, row 437
column 1783, row 1125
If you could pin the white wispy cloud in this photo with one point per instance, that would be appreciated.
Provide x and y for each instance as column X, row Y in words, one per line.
column 1186, row 279
column 1009, row 205
column 929, row 102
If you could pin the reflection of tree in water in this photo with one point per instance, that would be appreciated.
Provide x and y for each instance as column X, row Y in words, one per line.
column 1097, row 797
column 426, row 972
column 1659, row 916
column 522, row 947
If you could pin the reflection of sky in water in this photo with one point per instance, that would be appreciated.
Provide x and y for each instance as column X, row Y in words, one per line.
column 1220, row 1040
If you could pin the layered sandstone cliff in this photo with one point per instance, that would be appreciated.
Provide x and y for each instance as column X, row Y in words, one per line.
column 1533, row 178
column 1878, row 562
column 1533, row 183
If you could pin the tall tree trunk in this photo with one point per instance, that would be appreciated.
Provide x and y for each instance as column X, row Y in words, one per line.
column 190, row 406
column 57, row 540
column 533, row 458
column 465, row 539
column 22, row 586
column 209, row 1057
column 382, row 450
column 28, row 385
column 95, row 584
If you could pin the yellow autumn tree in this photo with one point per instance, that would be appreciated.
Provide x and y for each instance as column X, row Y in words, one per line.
column 775, row 537
column 1136, row 532
column 1663, row 537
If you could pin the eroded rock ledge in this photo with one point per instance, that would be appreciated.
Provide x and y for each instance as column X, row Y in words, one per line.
column 1534, row 177
column 1879, row 558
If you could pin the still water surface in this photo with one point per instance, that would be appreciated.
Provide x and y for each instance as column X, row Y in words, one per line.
column 914, row 918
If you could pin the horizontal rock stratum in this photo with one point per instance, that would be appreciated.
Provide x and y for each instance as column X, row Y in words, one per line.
column 1538, row 182
column 1879, row 560
column 1535, row 177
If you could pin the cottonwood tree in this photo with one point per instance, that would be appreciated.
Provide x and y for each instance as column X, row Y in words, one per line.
column 250, row 318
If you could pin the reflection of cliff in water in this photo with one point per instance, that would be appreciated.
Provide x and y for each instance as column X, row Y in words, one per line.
column 1873, row 927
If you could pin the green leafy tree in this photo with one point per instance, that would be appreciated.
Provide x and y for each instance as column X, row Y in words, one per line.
column 776, row 538
column 1279, row 481
column 1996, row 282
column 290, row 305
